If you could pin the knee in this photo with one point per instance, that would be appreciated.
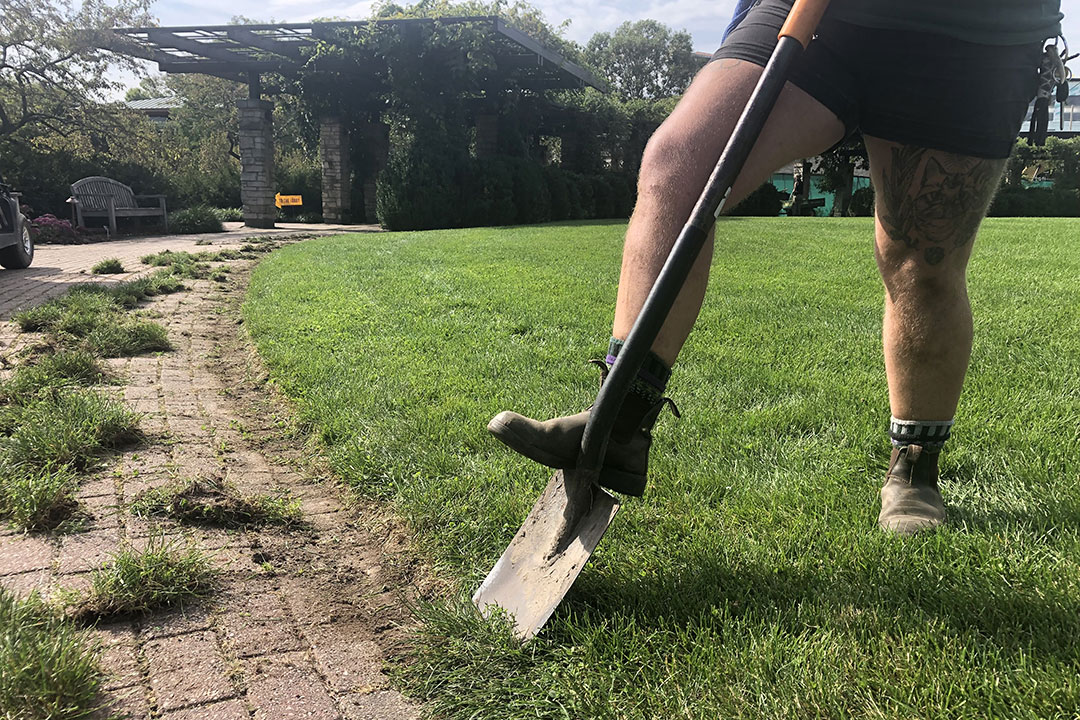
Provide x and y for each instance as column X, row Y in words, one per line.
column 913, row 284
column 674, row 162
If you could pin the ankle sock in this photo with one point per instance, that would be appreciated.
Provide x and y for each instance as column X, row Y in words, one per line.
column 930, row 434
column 651, row 379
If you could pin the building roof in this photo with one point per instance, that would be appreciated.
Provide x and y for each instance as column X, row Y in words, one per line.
column 236, row 52
column 158, row 103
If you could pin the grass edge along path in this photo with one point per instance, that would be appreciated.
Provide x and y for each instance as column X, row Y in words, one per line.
column 750, row 581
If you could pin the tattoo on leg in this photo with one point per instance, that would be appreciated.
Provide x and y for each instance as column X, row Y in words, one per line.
column 935, row 207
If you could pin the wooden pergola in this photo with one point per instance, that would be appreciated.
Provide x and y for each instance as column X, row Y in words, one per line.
column 244, row 53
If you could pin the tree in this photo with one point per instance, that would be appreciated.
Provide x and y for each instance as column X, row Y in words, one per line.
column 52, row 72
column 837, row 172
column 148, row 88
column 643, row 60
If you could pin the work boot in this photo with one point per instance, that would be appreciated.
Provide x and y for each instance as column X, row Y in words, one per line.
column 910, row 501
column 557, row 442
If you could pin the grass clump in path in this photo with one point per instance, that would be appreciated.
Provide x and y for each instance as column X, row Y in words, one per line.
column 68, row 427
column 95, row 318
column 138, row 581
column 61, row 369
column 37, row 498
column 108, row 266
column 750, row 581
column 216, row 503
column 48, row 668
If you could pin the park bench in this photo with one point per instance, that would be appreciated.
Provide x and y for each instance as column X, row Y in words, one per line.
column 105, row 197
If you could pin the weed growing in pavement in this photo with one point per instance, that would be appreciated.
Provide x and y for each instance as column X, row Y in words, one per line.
column 218, row 504
column 36, row 498
column 64, row 368
column 93, row 317
column 48, row 667
column 108, row 266
column 137, row 581
column 68, row 427
column 219, row 274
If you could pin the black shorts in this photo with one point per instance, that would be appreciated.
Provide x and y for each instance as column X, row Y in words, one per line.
column 913, row 88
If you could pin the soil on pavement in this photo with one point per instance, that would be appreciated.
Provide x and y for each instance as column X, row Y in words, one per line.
column 303, row 619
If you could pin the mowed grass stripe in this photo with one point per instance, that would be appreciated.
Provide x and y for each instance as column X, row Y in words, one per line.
column 750, row 581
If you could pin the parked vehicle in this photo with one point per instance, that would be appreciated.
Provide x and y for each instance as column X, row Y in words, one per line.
column 16, row 245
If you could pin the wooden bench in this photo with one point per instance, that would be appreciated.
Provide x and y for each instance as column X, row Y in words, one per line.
column 105, row 197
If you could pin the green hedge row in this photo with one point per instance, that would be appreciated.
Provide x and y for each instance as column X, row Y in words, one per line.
column 1036, row 202
column 420, row 190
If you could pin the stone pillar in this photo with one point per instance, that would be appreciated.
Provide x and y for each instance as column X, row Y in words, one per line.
column 336, row 170
column 487, row 135
column 376, row 137
column 257, row 163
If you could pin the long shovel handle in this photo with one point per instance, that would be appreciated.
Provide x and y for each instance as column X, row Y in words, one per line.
column 793, row 38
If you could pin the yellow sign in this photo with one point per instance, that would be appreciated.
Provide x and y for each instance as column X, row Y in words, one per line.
column 283, row 200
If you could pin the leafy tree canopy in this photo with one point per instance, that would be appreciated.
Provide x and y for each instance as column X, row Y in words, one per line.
column 643, row 60
column 52, row 75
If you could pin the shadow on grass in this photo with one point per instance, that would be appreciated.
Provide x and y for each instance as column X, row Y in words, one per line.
column 890, row 595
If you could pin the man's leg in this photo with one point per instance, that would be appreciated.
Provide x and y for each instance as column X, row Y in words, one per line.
column 929, row 205
column 677, row 163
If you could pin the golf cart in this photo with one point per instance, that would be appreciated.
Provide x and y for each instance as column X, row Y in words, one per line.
column 16, row 246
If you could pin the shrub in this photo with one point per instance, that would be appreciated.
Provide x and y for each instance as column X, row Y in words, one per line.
column 488, row 193
column 603, row 197
column 531, row 197
column 51, row 229
column 419, row 188
column 108, row 266
column 229, row 214
column 558, row 192
column 1036, row 202
column 622, row 190
column 862, row 202
column 198, row 219
column 766, row 201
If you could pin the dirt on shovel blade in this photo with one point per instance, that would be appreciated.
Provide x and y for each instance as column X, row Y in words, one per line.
column 548, row 553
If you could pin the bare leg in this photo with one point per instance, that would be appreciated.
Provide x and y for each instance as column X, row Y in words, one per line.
column 929, row 206
column 677, row 162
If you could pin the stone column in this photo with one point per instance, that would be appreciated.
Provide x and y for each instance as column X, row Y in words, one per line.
column 257, row 163
column 376, row 137
column 336, row 170
column 487, row 135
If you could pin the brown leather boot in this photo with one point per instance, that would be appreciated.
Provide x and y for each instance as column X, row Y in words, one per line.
column 557, row 442
column 910, row 500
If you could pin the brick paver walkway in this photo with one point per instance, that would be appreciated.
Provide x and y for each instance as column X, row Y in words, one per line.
column 301, row 620
column 58, row 267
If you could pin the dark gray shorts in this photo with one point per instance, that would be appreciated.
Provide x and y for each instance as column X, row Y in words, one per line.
column 914, row 88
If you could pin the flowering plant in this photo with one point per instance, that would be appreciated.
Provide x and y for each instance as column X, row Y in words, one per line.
column 51, row 229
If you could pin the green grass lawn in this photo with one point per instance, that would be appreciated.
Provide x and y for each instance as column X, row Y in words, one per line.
column 751, row 580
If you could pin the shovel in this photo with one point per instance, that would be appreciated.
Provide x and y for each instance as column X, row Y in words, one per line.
column 565, row 525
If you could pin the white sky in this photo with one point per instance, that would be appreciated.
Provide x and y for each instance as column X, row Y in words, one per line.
column 705, row 21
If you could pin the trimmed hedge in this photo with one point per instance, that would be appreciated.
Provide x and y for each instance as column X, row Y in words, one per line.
column 428, row 188
column 1035, row 202
column 766, row 201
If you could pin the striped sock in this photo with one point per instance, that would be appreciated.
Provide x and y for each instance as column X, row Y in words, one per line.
column 930, row 434
column 653, row 376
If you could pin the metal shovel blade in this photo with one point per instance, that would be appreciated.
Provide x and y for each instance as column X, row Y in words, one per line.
column 548, row 552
